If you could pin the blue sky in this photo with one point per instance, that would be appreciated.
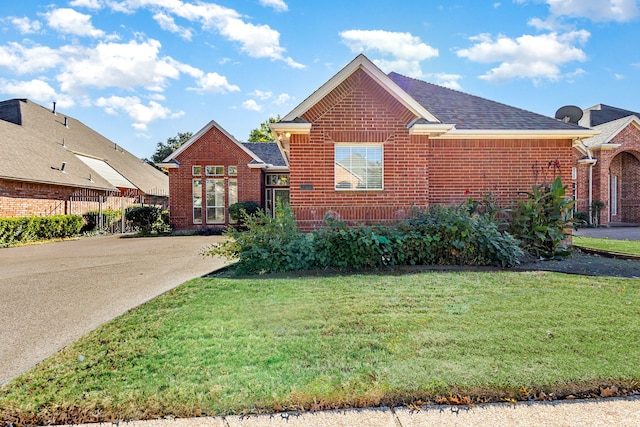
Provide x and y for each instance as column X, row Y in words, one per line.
column 140, row 71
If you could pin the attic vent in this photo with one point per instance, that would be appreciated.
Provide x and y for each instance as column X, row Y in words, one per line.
column 66, row 122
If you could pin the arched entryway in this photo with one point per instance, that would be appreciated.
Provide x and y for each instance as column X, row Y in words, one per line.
column 624, row 188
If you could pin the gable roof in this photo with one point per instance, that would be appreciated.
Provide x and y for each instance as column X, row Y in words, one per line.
column 602, row 113
column 439, row 112
column 608, row 131
column 35, row 143
column 263, row 154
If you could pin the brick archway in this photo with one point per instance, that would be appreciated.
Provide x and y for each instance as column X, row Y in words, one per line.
column 624, row 187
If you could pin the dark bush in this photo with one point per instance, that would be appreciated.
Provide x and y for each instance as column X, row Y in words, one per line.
column 238, row 210
column 148, row 219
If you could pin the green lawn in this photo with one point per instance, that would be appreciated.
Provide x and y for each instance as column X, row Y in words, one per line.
column 236, row 346
column 622, row 246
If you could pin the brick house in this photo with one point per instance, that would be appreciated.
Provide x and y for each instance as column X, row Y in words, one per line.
column 213, row 170
column 608, row 165
column 53, row 164
column 416, row 143
column 367, row 146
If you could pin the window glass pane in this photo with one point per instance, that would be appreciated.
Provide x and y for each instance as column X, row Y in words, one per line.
column 215, row 170
column 233, row 194
column 197, row 201
column 233, row 170
column 215, row 200
column 358, row 167
column 196, row 170
column 278, row 180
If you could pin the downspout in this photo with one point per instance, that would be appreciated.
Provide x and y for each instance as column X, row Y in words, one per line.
column 591, row 162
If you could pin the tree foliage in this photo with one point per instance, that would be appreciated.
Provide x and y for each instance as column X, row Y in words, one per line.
column 263, row 133
column 163, row 149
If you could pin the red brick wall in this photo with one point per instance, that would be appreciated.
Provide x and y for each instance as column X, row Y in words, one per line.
column 215, row 149
column 623, row 162
column 472, row 168
column 417, row 171
column 19, row 199
column 357, row 111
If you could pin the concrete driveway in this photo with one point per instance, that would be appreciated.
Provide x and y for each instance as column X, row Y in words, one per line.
column 616, row 233
column 52, row 294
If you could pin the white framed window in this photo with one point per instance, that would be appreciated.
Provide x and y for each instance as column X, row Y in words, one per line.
column 215, row 201
column 196, row 189
column 233, row 194
column 277, row 180
column 196, row 170
column 359, row 167
column 232, row 170
column 214, row 170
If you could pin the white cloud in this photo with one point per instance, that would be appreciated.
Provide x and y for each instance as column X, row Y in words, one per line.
column 257, row 41
column 69, row 21
column 28, row 59
column 25, row 25
column 168, row 24
column 533, row 57
column 406, row 50
column 283, row 98
column 116, row 65
column 262, row 95
column 89, row 4
column 215, row 83
column 141, row 114
column 596, row 10
column 278, row 5
column 619, row 76
column 251, row 105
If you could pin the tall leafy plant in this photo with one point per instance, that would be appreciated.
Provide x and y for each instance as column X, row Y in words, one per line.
column 541, row 221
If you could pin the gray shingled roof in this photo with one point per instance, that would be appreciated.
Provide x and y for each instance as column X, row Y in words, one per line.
column 268, row 152
column 34, row 143
column 472, row 112
column 607, row 131
column 601, row 113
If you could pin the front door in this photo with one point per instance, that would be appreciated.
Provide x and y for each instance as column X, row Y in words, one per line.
column 277, row 199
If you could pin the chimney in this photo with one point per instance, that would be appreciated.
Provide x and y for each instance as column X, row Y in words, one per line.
column 54, row 108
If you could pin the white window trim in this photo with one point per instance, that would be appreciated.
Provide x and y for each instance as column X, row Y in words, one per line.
column 193, row 208
column 215, row 167
column 354, row 144
column 206, row 202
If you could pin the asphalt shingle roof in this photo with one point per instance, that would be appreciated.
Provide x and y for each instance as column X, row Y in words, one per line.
column 601, row 113
column 472, row 112
column 268, row 152
column 34, row 143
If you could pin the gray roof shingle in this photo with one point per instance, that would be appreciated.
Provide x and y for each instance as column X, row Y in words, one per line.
column 35, row 142
column 268, row 152
column 601, row 113
column 472, row 112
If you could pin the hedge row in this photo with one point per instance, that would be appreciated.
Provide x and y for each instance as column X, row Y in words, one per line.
column 14, row 231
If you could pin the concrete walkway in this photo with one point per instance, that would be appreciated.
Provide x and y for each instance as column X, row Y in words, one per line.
column 52, row 294
column 616, row 233
column 592, row 413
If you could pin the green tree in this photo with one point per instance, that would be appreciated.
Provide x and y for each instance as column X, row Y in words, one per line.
column 263, row 133
column 163, row 149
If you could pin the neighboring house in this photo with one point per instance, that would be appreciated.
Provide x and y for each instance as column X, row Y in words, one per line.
column 53, row 164
column 366, row 147
column 608, row 165
column 213, row 170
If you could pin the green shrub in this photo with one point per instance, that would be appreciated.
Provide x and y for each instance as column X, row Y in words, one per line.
column 92, row 219
column 148, row 219
column 540, row 222
column 15, row 231
column 268, row 245
column 438, row 236
column 236, row 209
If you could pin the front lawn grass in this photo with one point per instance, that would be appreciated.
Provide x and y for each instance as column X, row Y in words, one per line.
column 235, row 346
column 621, row 246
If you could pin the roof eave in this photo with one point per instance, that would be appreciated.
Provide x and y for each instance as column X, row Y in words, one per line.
column 431, row 129
column 576, row 135
column 362, row 62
